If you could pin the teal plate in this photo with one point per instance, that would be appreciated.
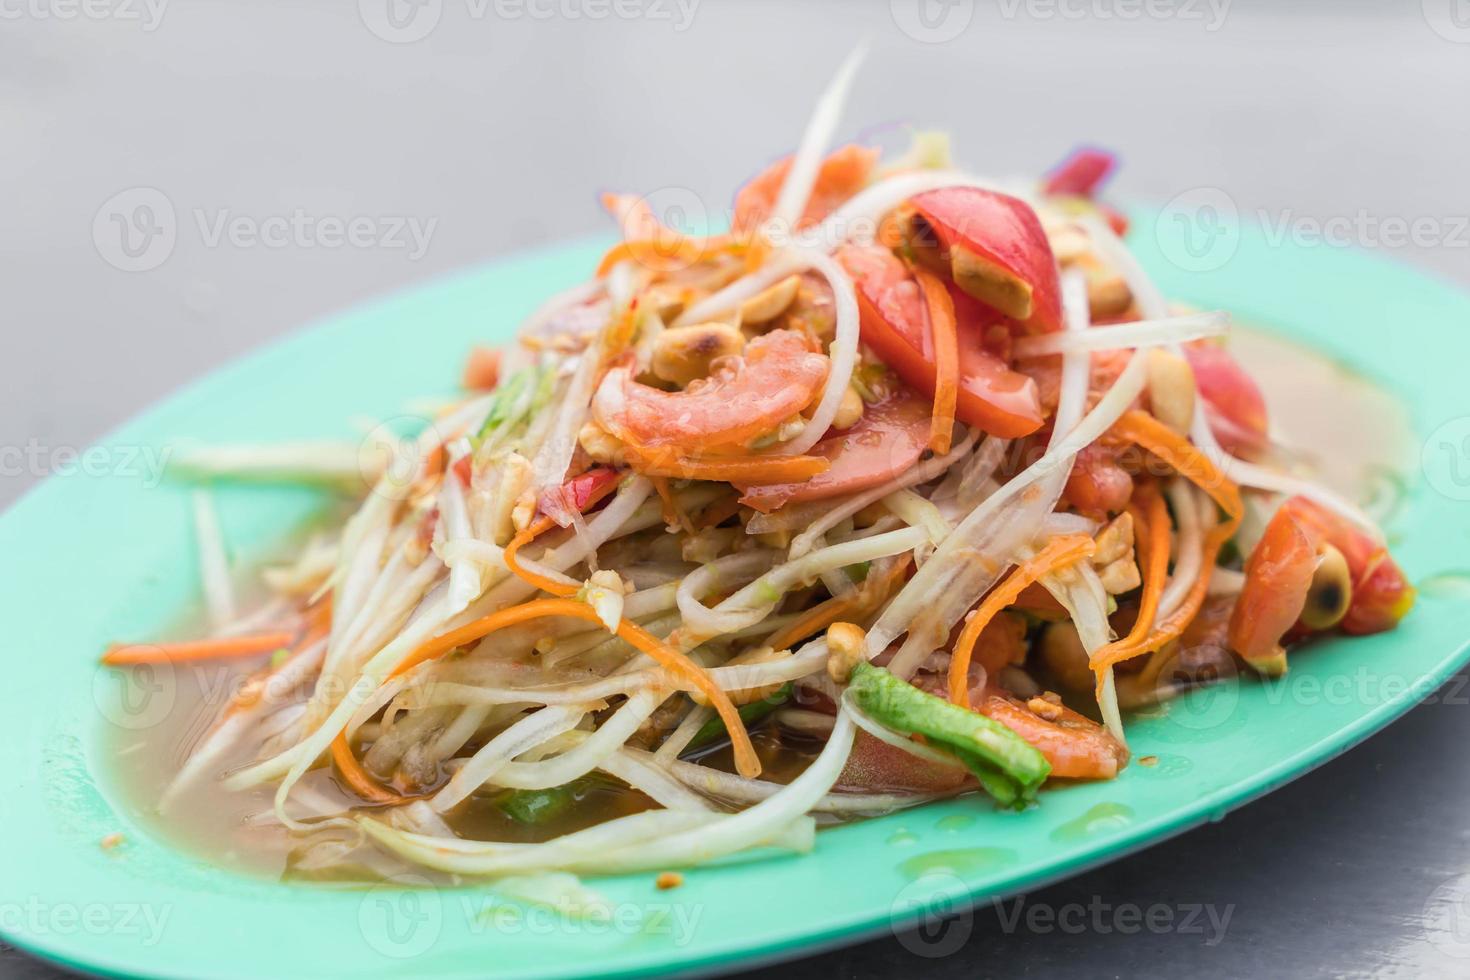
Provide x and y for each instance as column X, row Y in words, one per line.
column 92, row 558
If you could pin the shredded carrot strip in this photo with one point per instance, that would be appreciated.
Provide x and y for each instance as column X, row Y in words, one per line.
column 319, row 626
column 673, row 514
column 690, row 674
column 719, row 512
column 1058, row 553
column 541, row 582
column 743, row 470
column 942, row 328
column 756, row 251
column 1189, row 462
column 890, row 229
column 814, row 620
column 360, row 780
column 1151, row 534
column 666, row 251
column 1153, row 435
column 859, row 602
column 130, row 654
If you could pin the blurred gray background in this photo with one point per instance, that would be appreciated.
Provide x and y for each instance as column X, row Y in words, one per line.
column 490, row 126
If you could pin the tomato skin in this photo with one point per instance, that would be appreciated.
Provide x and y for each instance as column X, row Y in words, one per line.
column 1381, row 598
column 1081, row 173
column 991, row 396
column 482, row 369
column 1382, row 595
column 847, row 170
column 778, row 375
column 877, row 767
column 1076, row 747
column 1278, row 575
column 578, row 493
column 887, row 440
column 1005, row 231
column 1098, row 485
column 1234, row 403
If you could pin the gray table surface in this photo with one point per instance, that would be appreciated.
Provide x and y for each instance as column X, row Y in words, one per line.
column 493, row 130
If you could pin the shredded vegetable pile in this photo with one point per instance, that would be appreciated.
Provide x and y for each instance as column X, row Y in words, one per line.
column 911, row 469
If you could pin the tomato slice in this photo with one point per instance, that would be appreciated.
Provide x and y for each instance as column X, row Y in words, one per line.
column 578, row 493
column 1098, row 484
column 1278, row 576
column 748, row 396
column 1233, row 400
column 1076, row 746
column 888, row 439
column 877, row 767
column 1081, row 173
column 1382, row 594
column 1005, row 236
column 991, row 396
column 845, row 172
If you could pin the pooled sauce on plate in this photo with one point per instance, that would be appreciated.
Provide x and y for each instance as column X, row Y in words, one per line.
column 1352, row 435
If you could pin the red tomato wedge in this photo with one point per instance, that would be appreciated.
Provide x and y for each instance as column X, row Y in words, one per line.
column 578, row 493
column 1382, row 594
column 748, row 396
column 1076, row 746
column 877, row 767
column 888, row 439
column 845, row 172
column 991, row 396
column 1081, row 173
column 998, row 251
column 482, row 369
column 1236, row 407
column 1278, row 576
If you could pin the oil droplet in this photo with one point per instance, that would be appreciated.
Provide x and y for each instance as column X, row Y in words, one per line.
column 901, row 838
column 961, row 861
column 955, row 822
column 1100, row 819
column 1172, row 765
column 1447, row 585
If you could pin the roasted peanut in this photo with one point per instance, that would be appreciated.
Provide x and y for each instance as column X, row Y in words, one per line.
column 849, row 410
column 770, row 303
column 684, row 354
column 845, row 646
column 600, row 444
column 1171, row 389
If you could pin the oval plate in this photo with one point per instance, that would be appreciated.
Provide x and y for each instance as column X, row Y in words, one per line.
column 90, row 559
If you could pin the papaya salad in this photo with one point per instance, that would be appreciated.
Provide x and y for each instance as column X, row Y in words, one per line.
column 909, row 485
